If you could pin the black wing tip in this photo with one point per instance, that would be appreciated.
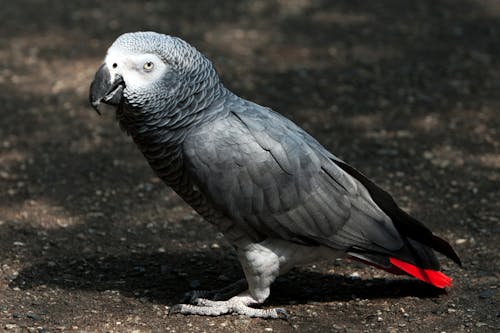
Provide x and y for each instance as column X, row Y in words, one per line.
column 445, row 248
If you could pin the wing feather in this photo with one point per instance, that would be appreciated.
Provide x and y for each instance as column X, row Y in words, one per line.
column 267, row 174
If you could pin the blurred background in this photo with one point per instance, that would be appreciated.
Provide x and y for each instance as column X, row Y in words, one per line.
column 406, row 91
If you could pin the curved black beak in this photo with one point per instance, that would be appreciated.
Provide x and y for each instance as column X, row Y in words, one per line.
column 105, row 89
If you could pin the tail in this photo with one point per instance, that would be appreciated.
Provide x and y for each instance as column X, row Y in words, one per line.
column 400, row 267
column 436, row 278
column 416, row 258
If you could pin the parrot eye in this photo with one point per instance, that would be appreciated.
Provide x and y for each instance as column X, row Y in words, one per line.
column 148, row 66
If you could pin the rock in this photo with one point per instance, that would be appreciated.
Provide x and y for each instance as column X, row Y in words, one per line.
column 11, row 326
column 487, row 294
column 33, row 316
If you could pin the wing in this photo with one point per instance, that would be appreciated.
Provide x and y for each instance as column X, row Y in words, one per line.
column 274, row 180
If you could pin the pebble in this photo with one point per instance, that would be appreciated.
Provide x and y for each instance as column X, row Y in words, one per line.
column 33, row 316
column 11, row 326
column 486, row 294
column 148, row 187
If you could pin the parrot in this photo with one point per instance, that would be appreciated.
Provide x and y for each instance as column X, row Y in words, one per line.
column 278, row 196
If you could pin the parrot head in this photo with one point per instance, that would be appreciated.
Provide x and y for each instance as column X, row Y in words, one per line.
column 146, row 70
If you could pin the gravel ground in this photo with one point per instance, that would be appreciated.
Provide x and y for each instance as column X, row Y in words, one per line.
column 407, row 91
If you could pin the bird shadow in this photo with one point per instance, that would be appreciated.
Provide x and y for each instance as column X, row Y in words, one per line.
column 164, row 277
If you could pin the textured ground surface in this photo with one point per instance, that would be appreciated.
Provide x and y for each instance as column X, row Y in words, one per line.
column 407, row 91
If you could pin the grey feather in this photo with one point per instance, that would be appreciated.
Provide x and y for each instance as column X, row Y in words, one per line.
column 306, row 197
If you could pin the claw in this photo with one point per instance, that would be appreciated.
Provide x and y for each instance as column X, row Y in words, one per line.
column 177, row 308
column 190, row 297
column 282, row 314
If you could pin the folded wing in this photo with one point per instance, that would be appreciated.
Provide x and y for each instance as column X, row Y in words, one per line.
column 273, row 180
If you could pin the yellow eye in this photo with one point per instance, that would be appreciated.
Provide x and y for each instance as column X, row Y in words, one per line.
column 148, row 66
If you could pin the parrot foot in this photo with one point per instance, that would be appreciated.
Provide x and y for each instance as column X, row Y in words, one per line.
column 216, row 295
column 235, row 305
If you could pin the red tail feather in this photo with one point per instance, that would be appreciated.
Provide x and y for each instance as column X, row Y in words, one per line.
column 436, row 278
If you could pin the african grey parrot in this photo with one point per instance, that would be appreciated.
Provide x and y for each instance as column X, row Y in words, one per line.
column 278, row 196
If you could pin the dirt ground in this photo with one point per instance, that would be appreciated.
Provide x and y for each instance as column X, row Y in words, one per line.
column 406, row 91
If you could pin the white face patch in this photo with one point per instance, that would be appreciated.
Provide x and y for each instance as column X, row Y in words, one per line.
column 137, row 70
